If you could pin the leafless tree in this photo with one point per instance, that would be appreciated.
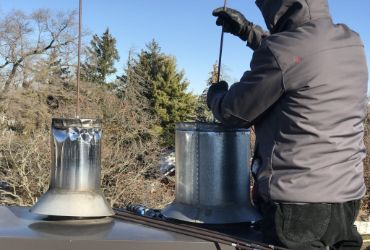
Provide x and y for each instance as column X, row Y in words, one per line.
column 24, row 37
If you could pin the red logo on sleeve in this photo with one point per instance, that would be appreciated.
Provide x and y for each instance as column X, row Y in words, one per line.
column 297, row 60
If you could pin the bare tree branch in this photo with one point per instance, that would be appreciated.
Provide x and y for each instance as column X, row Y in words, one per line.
column 27, row 37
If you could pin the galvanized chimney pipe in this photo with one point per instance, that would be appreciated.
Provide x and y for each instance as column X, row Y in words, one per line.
column 75, row 171
column 212, row 175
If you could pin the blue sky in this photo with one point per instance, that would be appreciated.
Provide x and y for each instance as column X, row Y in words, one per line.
column 185, row 29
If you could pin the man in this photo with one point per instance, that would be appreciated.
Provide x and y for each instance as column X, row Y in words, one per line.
column 306, row 95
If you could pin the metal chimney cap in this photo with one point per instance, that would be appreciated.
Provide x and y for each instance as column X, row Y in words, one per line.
column 64, row 123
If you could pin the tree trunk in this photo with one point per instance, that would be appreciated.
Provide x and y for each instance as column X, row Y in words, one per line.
column 11, row 77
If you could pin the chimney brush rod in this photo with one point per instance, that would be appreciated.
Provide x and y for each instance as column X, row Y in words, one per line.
column 221, row 48
column 79, row 59
column 220, row 57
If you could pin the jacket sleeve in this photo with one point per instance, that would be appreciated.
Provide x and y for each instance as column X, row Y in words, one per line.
column 255, row 35
column 256, row 92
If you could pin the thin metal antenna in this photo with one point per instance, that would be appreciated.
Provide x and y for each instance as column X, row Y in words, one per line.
column 78, row 60
column 221, row 48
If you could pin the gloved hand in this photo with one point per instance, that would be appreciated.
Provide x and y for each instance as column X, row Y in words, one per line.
column 215, row 90
column 235, row 23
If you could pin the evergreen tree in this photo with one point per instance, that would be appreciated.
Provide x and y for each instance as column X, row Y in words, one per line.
column 147, row 66
column 101, row 56
column 213, row 74
column 57, row 71
column 50, row 70
column 202, row 111
column 165, row 87
column 120, row 85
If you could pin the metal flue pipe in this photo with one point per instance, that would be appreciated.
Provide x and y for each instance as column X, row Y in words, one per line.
column 212, row 175
column 75, row 171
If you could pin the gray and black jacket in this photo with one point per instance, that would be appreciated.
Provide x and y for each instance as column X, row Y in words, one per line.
column 306, row 94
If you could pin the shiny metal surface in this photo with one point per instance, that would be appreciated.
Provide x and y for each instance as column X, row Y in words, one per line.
column 212, row 175
column 76, row 150
column 75, row 172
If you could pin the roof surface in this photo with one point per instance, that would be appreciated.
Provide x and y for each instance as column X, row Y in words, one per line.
column 20, row 229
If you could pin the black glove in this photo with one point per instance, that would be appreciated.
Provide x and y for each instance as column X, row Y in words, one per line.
column 216, row 90
column 235, row 23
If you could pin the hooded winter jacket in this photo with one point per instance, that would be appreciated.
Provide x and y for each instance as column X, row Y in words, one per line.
column 306, row 94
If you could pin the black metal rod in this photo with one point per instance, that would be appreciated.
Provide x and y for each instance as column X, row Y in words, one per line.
column 220, row 57
column 221, row 49
column 78, row 59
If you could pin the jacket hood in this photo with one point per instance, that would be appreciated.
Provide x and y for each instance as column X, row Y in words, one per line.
column 282, row 15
